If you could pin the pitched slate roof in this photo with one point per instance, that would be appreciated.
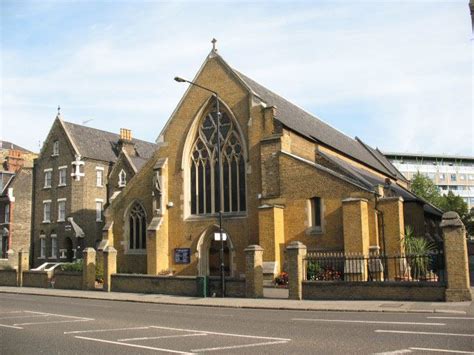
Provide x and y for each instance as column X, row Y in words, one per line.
column 10, row 145
column 297, row 119
column 370, row 180
column 101, row 145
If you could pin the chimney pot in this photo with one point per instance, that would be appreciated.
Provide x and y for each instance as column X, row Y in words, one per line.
column 125, row 134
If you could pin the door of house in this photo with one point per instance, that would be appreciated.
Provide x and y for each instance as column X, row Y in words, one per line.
column 69, row 249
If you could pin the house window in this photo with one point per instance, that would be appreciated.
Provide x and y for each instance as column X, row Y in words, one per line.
column 47, row 178
column 137, row 227
column 204, row 168
column 46, row 211
column 99, row 174
column 441, row 176
column 7, row 213
column 462, row 177
column 453, row 177
column 56, row 148
column 54, row 246
column 62, row 176
column 61, row 210
column 42, row 246
column 471, row 177
column 98, row 210
column 122, row 178
column 316, row 213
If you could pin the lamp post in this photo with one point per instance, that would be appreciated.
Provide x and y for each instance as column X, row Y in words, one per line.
column 218, row 114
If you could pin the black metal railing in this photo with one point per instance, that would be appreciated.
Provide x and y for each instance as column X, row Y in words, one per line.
column 427, row 267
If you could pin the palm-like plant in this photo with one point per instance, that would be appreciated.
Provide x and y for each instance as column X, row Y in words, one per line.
column 417, row 250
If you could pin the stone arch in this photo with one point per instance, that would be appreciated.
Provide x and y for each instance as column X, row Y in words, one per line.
column 202, row 251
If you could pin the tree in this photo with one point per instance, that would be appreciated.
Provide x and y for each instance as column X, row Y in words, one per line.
column 426, row 189
column 451, row 202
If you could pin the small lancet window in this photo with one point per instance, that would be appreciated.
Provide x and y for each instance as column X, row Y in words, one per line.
column 137, row 227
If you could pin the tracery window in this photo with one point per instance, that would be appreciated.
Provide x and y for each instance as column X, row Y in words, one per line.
column 137, row 227
column 204, row 168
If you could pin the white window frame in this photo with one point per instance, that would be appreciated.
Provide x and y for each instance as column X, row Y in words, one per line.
column 48, row 172
column 99, row 172
column 122, row 178
column 99, row 212
column 46, row 202
column 42, row 239
column 56, row 148
column 61, row 202
column 54, row 246
column 7, row 213
column 62, row 169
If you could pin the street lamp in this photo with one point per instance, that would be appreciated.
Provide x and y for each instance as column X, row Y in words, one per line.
column 181, row 80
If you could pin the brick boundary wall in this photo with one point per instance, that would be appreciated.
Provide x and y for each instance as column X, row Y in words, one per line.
column 167, row 285
column 36, row 279
column 8, row 277
column 67, row 280
column 387, row 291
column 233, row 287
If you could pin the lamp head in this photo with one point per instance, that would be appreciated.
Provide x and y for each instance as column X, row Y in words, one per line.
column 179, row 80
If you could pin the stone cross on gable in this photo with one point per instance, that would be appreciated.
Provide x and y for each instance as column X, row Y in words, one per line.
column 76, row 174
column 214, row 49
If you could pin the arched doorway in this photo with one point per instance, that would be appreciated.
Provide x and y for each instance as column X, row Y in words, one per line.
column 208, row 254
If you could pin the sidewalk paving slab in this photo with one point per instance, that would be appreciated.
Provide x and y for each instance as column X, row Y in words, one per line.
column 459, row 308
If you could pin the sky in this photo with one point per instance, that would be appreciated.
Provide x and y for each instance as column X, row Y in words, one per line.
column 397, row 74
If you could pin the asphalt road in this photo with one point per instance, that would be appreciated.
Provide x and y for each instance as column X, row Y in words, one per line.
column 52, row 325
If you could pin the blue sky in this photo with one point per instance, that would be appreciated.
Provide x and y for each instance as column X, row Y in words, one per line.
column 396, row 74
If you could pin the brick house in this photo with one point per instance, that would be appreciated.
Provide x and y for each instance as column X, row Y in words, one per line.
column 72, row 178
column 16, row 184
column 286, row 176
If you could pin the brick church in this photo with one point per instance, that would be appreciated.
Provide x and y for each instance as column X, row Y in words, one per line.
column 285, row 176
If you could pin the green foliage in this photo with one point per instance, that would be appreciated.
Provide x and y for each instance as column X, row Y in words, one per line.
column 313, row 270
column 99, row 272
column 426, row 189
column 417, row 250
column 75, row 266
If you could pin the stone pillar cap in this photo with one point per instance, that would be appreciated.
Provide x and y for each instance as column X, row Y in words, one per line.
column 296, row 245
column 110, row 249
column 451, row 219
column 254, row 247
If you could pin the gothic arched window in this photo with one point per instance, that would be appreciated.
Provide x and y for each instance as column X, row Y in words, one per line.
column 204, row 168
column 137, row 227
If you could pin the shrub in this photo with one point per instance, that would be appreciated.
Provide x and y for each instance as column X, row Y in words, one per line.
column 75, row 266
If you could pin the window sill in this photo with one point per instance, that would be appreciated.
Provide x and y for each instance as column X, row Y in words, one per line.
column 61, row 220
column 98, row 220
column 46, row 187
column 314, row 231
column 55, row 155
column 46, row 222
column 214, row 216
column 52, row 258
column 62, row 185
column 41, row 257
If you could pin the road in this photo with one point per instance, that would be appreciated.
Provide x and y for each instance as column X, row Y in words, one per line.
column 51, row 325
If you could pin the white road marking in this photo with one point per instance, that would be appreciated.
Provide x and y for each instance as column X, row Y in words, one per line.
column 364, row 321
column 10, row 312
column 104, row 330
column 133, row 345
column 54, row 322
column 444, row 350
column 35, row 316
column 422, row 333
column 395, row 352
column 164, row 337
column 59, row 315
column 191, row 313
column 225, row 334
column 463, row 318
column 10, row 326
column 239, row 346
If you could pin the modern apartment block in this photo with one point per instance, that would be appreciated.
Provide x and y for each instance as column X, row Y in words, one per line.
column 448, row 172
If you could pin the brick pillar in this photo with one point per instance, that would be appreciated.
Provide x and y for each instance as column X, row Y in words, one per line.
column 23, row 264
column 110, row 266
column 88, row 269
column 254, row 271
column 455, row 254
column 271, row 237
column 355, row 218
column 157, row 254
column 391, row 235
column 295, row 254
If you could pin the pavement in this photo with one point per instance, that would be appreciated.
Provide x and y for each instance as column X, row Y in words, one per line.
column 272, row 300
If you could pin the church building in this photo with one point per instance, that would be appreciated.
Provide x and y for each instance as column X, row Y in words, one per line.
column 283, row 175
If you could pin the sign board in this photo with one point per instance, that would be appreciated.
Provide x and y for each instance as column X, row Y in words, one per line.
column 67, row 227
column 182, row 255
column 217, row 236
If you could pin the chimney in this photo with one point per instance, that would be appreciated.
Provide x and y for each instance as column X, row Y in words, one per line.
column 14, row 160
column 125, row 142
column 125, row 134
